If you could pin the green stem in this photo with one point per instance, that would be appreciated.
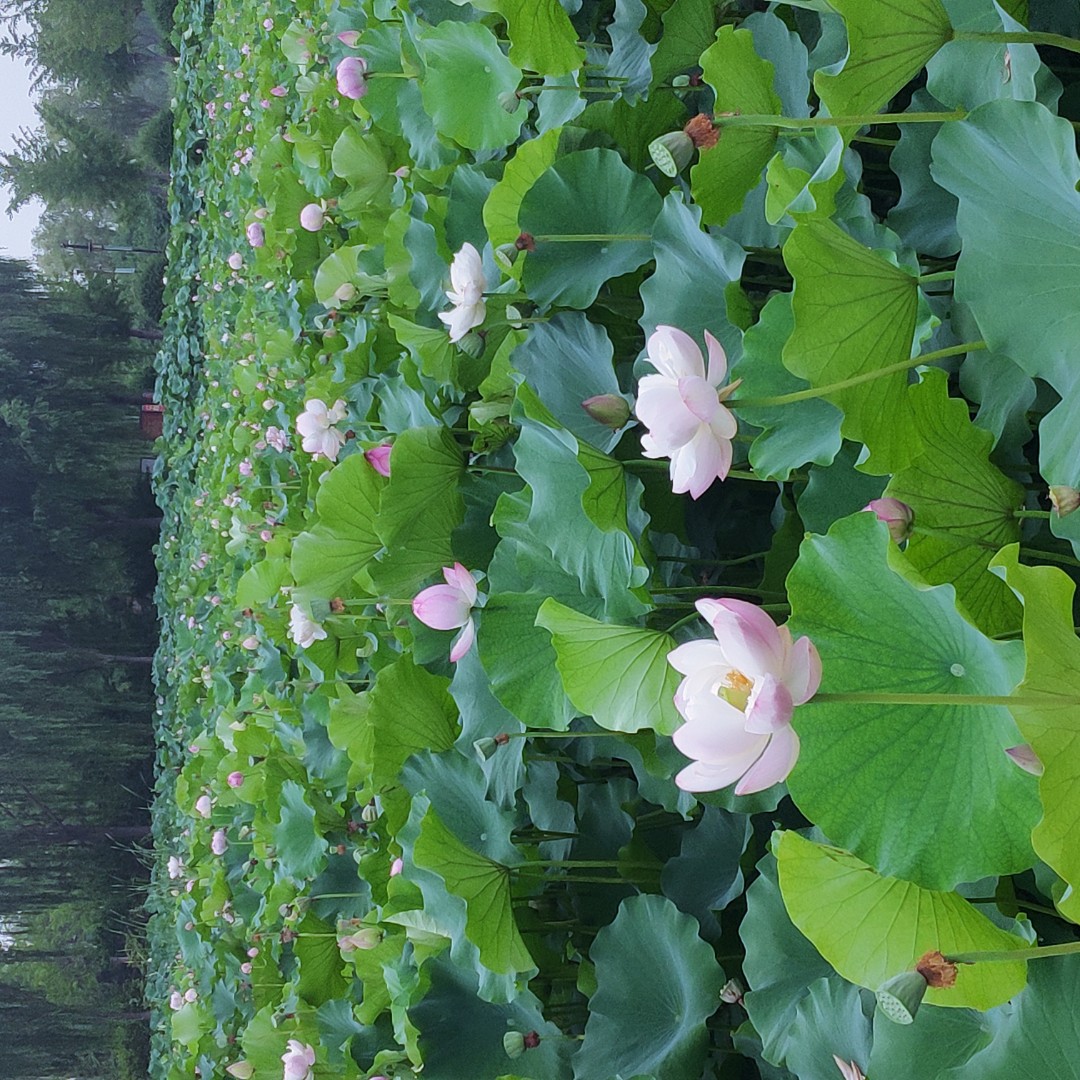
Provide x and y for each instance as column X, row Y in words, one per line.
column 712, row 562
column 766, row 120
column 591, row 864
column 1009, row 37
column 588, row 238
column 1037, row 952
column 685, row 620
column 941, row 275
column 1050, row 556
column 947, row 699
column 704, row 590
column 858, row 380
column 540, row 89
column 1042, row 514
column 558, row 734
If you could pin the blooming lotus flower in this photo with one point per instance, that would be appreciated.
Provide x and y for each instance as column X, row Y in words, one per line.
column 446, row 607
column 316, row 425
column 256, row 235
column 896, row 514
column 298, row 1060
column 378, row 457
column 312, row 217
column 352, row 77
column 466, row 293
column 277, row 438
column 176, row 867
column 303, row 629
column 682, row 408
column 738, row 698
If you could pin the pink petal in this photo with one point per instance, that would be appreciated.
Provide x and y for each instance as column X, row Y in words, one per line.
column 442, row 607
column 724, row 426
column 803, row 675
column 712, row 459
column 749, row 638
column 460, row 578
column 774, row 765
column 1026, row 758
column 698, row 776
column 720, row 743
column 717, row 360
column 675, row 353
column 699, row 398
column 463, row 642
column 769, row 707
column 694, row 655
column 661, row 408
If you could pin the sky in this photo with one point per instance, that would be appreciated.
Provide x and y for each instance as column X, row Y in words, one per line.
column 17, row 112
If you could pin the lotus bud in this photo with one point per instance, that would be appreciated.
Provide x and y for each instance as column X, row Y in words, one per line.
column 899, row 998
column 472, row 344
column 256, row 235
column 485, row 748
column 509, row 100
column 1026, row 758
column 671, row 153
column 235, row 260
column 367, row 938
column 349, row 38
column 203, row 806
column 219, row 842
column 680, row 82
column 899, row 517
column 251, row 643
column 514, row 1044
column 242, row 1070
column 312, row 217
column 378, row 457
column 396, row 867
column 235, row 779
column 352, row 77
column 732, row 992
column 610, row 410
column 345, row 293
column 1064, row 499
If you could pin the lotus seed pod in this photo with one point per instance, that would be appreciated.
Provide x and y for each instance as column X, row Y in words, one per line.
column 671, row 153
column 899, row 998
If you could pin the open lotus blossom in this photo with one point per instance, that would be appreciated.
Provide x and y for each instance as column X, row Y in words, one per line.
column 176, row 867
column 738, row 698
column 352, row 77
column 298, row 1060
column 316, row 425
column 466, row 293
column 848, row 1069
column 446, row 607
column 303, row 629
column 682, row 408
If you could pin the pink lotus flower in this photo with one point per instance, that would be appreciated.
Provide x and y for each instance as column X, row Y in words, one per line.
column 738, row 698
column 396, row 867
column 466, row 293
column 312, row 217
column 896, row 514
column 316, row 425
column 682, row 409
column 446, row 607
column 235, row 779
column 378, row 457
column 278, row 91
column 203, row 806
column 277, row 438
column 256, row 235
column 349, row 38
column 1026, row 758
column 298, row 1060
column 352, row 77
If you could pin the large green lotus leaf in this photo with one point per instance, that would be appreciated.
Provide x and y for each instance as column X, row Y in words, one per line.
column 693, row 272
column 466, row 75
column 409, row 710
column 322, row 975
column 633, row 127
column 1049, row 720
column 947, row 1037
column 530, row 161
column 657, row 983
column 343, row 267
column 566, row 361
column 920, row 792
column 618, row 675
column 590, row 192
column 542, row 38
column 889, row 41
column 301, row 850
column 461, row 1035
column 421, row 508
column 792, row 434
column 689, row 28
column 1039, row 1036
column 359, row 159
column 964, row 502
column 631, row 53
column 855, row 313
column 1014, row 168
column 871, row 927
column 743, row 83
column 343, row 541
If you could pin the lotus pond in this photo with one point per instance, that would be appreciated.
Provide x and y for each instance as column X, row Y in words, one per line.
column 618, row 562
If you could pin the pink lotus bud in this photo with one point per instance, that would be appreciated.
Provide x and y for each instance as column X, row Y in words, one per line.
column 251, row 643
column 203, row 806
column 312, row 217
column 268, row 24
column 245, row 967
column 242, row 1070
column 610, row 410
column 896, row 514
column 378, row 457
column 396, row 867
column 176, row 1001
column 235, row 779
column 219, row 842
column 256, row 235
column 349, row 38
column 1026, row 758
column 352, row 77
column 262, row 213
column 278, row 91
column 191, row 994
column 1064, row 499
column 236, row 260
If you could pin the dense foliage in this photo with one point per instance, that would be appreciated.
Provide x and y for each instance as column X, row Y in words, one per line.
column 426, row 619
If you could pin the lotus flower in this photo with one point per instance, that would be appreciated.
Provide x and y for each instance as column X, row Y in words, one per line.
column 303, row 629
column 681, row 407
column 896, row 514
column 738, row 698
column 446, row 607
column 256, row 235
column 848, row 1069
column 466, row 293
column 352, row 77
column 312, row 217
column 378, row 457
column 219, row 842
column 298, row 1060
column 316, row 425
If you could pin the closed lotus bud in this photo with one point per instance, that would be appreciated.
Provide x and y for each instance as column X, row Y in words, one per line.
column 235, row 779
column 1064, row 499
column 514, row 1044
column 256, row 235
column 899, row 998
column 681, row 81
column 1026, row 758
column 611, row 410
column 370, row 813
column 242, row 1070
column 367, row 938
column 732, row 992
column 896, row 514
column 312, row 217
column 349, row 38
column 671, row 153
column 472, row 344
column 352, row 77
column 509, row 100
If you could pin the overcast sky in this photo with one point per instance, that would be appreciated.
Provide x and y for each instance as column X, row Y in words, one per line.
column 17, row 112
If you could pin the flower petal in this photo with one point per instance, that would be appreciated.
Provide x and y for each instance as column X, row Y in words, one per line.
column 442, row 607
column 694, row 655
column 459, row 578
column 720, row 742
column 698, row 776
column 769, row 706
column 717, row 360
column 675, row 353
column 699, row 398
column 749, row 638
column 803, row 676
column 661, row 408
column 463, row 642
column 774, row 765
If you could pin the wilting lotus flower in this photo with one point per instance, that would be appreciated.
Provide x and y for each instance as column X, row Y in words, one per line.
column 446, row 607
column 682, row 409
column 303, row 629
column 466, row 293
column 352, row 77
column 312, row 217
column 298, row 1060
column 316, row 425
column 738, row 698
column 378, row 457
column 256, row 235
column 896, row 514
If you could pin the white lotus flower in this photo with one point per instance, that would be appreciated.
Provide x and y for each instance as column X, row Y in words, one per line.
column 316, row 425
column 303, row 629
column 466, row 293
